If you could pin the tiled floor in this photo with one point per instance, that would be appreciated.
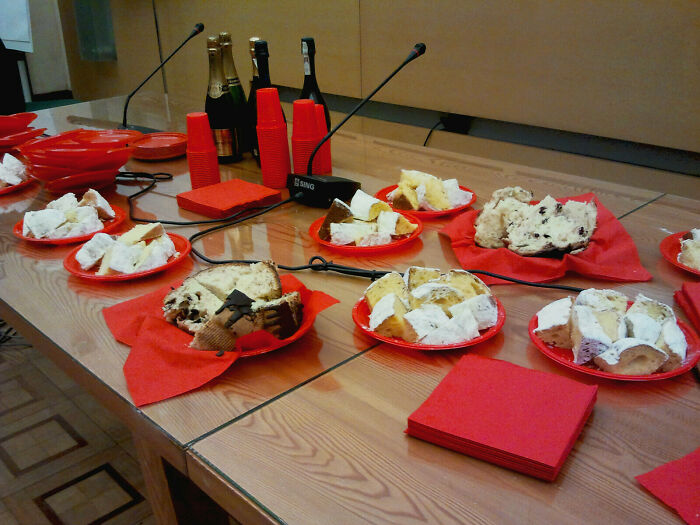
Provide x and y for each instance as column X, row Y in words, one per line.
column 63, row 458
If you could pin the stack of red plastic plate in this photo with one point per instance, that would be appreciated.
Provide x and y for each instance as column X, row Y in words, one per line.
column 79, row 159
column 15, row 130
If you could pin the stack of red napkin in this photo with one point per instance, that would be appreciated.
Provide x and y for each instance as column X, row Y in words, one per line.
column 610, row 254
column 688, row 298
column 512, row 416
column 225, row 198
column 677, row 484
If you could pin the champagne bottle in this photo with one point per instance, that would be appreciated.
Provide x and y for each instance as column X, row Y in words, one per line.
column 262, row 56
column 310, row 88
column 252, row 100
column 241, row 122
column 219, row 107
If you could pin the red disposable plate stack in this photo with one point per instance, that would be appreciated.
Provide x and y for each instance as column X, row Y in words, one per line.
column 80, row 159
column 160, row 146
column 15, row 130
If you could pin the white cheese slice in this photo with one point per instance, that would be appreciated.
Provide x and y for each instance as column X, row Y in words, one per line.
column 123, row 258
column 65, row 203
column 92, row 251
column 41, row 223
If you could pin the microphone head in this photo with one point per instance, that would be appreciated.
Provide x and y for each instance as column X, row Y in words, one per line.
column 198, row 28
column 419, row 48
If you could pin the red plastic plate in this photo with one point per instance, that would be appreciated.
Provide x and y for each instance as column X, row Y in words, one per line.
column 565, row 356
column 82, row 181
column 64, row 138
column 182, row 245
column 365, row 250
column 10, row 124
column 16, row 139
column 107, row 137
column 360, row 314
column 49, row 173
column 160, row 146
column 81, row 159
column 670, row 247
column 16, row 187
column 382, row 196
column 110, row 225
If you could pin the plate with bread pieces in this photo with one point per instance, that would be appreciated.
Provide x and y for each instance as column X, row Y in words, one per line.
column 13, row 174
column 426, row 195
column 682, row 250
column 604, row 334
column 367, row 225
column 68, row 220
column 238, row 306
column 426, row 309
column 143, row 250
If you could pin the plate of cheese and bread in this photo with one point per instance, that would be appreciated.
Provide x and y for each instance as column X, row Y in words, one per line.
column 602, row 333
column 426, row 309
column 682, row 250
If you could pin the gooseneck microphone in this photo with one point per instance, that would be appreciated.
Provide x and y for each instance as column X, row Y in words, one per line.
column 417, row 51
column 320, row 191
column 198, row 28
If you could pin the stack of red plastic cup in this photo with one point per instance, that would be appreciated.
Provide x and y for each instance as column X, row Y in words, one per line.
column 304, row 134
column 322, row 161
column 272, row 139
column 201, row 151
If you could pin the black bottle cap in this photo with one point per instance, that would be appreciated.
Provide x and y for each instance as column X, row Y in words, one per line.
column 261, row 48
column 310, row 45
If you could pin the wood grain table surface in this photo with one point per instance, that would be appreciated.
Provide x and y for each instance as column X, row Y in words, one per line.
column 314, row 432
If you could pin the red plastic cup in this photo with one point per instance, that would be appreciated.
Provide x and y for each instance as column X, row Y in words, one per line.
column 322, row 161
column 201, row 152
column 304, row 134
column 269, row 108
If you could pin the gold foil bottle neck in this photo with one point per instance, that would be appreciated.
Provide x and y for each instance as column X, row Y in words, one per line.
column 224, row 38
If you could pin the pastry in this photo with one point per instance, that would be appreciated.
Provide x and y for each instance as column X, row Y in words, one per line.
column 554, row 323
column 690, row 249
column 392, row 282
column 630, row 356
column 422, row 191
column 12, row 171
column 337, row 213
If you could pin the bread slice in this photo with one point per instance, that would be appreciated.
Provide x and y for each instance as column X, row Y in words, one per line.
column 437, row 293
column 603, row 300
column 280, row 317
column 587, row 335
column 387, row 317
column 467, row 283
column 365, row 207
column 672, row 341
column 462, row 327
column 351, row 232
column 511, row 192
column 404, row 197
column 641, row 326
column 394, row 223
column 142, row 232
column 483, row 307
column 94, row 199
column 494, row 219
column 421, row 321
column 92, row 251
column 554, row 323
column 631, row 356
column 338, row 212
column 654, row 309
column 390, row 283
column 417, row 275
column 257, row 281
column 690, row 253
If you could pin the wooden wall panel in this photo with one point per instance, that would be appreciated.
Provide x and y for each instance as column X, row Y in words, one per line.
column 628, row 70
column 137, row 52
column 334, row 25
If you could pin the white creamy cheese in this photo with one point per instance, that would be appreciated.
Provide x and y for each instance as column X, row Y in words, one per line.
column 64, row 203
column 92, row 251
column 41, row 223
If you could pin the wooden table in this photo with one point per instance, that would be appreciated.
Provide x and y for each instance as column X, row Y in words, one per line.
column 313, row 433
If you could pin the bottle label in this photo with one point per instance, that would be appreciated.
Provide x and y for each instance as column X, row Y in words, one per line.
column 223, row 138
column 307, row 65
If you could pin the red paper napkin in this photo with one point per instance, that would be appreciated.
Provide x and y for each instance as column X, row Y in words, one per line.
column 688, row 298
column 161, row 363
column 519, row 418
column 610, row 255
column 677, row 484
column 225, row 198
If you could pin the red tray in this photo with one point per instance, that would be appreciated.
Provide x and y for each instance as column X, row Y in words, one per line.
column 10, row 141
column 360, row 314
column 564, row 356
column 109, row 226
column 16, row 187
column 182, row 245
column 365, row 250
column 670, row 247
column 160, row 146
column 382, row 196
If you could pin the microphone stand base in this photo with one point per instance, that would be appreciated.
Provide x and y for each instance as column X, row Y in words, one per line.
column 319, row 191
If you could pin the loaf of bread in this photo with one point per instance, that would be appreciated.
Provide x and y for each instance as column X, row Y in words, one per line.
column 430, row 307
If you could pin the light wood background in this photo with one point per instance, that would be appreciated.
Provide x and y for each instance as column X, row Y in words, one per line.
column 626, row 70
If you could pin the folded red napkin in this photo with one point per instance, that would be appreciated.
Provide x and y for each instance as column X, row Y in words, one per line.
column 519, row 418
column 610, row 255
column 688, row 298
column 677, row 484
column 225, row 198
column 161, row 363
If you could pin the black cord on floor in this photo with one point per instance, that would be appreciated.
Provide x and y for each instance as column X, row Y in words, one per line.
column 425, row 142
